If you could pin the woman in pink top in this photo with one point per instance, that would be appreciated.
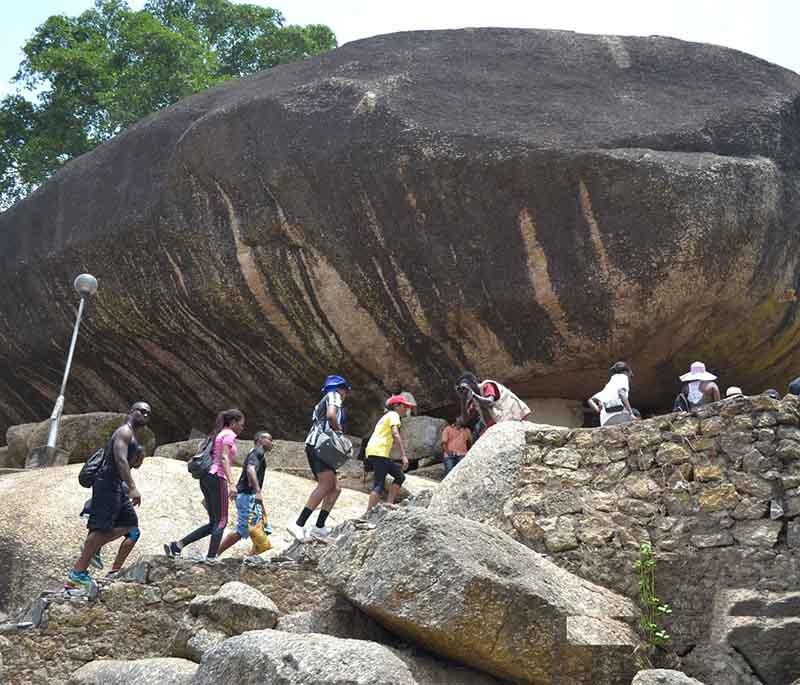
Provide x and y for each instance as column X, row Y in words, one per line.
column 217, row 485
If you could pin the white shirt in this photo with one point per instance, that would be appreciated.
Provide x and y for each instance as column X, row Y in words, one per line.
column 609, row 396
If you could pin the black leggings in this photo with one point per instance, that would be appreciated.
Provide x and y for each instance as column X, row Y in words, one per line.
column 215, row 491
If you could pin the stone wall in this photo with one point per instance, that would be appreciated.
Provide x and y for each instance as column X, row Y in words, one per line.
column 133, row 620
column 696, row 486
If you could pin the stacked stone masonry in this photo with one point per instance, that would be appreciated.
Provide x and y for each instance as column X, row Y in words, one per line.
column 715, row 492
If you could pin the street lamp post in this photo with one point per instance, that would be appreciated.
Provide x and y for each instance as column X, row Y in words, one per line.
column 86, row 285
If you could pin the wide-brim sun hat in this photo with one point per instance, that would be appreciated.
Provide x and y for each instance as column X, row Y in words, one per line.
column 399, row 399
column 335, row 381
column 697, row 372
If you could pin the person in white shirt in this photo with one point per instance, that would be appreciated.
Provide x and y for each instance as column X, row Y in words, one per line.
column 612, row 401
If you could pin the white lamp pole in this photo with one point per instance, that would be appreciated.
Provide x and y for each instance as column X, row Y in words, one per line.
column 86, row 285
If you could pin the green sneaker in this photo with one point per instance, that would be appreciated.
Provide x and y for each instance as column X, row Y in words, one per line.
column 97, row 560
column 78, row 580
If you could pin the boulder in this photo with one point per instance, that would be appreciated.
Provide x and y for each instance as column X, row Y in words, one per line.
column 17, row 442
column 79, row 435
column 618, row 163
column 40, row 537
column 422, row 438
column 341, row 619
column 663, row 676
column 470, row 593
column 487, row 477
column 164, row 671
column 267, row 656
column 236, row 607
column 233, row 609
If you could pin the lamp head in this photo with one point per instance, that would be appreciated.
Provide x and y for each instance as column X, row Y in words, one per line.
column 85, row 284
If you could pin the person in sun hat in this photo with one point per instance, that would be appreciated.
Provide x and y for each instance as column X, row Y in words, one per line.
column 698, row 388
column 734, row 391
column 379, row 449
column 328, row 413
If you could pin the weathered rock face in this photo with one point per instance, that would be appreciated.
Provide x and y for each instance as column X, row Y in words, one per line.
column 164, row 671
column 79, row 435
column 470, row 593
column 376, row 211
column 698, row 487
column 41, row 534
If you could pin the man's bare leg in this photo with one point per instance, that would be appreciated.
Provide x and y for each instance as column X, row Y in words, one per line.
column 394, row 493
column 122, row 554
column 94, row 541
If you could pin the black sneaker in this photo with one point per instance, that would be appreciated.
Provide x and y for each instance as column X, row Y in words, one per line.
column 172, row 550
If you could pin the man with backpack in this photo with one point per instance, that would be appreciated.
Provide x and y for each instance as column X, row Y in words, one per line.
column 112, row 510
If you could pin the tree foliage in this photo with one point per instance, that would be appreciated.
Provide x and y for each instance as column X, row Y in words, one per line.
column 88, row 77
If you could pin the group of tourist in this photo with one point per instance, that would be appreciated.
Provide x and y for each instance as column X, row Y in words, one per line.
column 698, row 387
column 111, row 510
column 111, row 513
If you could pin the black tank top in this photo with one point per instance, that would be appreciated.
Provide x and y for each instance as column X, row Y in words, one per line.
column 110, row 471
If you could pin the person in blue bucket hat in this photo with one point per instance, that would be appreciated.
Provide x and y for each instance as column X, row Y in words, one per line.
column 328, row 414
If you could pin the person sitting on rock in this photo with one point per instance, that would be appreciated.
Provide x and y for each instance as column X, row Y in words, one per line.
column 612, row 402
column 112, row 509
column 379, row 449
column 129, row 542
column 456, row 441
column 493, row 401
column 248, row 489
column 328, row 414
column 698, row 388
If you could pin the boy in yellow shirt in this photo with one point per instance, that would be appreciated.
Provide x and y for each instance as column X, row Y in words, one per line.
column 379, row 448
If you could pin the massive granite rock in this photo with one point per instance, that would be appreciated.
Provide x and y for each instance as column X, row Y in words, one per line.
column 529, row 204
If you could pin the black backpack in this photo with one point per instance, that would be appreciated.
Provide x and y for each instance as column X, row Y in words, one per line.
column 89, row 471
column 200, row 464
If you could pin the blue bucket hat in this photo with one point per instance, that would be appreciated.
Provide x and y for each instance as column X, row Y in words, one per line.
column 332, row 382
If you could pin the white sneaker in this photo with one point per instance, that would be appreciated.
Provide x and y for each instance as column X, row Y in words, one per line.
column 317, row 532
column 297, row 532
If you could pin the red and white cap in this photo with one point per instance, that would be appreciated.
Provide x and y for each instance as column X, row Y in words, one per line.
column 399, row 399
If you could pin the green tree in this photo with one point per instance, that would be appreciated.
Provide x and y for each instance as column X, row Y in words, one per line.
column 88, row 77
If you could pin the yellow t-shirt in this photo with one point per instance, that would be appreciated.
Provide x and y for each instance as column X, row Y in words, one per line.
column 380, row 444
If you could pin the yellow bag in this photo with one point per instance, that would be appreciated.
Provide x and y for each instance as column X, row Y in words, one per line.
column 255, row 528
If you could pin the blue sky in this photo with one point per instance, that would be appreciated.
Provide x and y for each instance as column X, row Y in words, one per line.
column 767, row 29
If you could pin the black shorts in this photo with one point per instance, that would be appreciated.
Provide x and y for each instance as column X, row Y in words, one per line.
column 385, row 467
column 315, row 463
column 111, row 507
